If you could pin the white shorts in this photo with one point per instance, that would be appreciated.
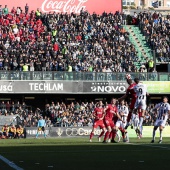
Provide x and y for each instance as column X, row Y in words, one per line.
column 136, row 122
column 140, row 104
column 120, row 124
column 160, row 122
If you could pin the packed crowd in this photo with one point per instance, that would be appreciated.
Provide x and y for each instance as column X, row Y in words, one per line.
column 31, row 40
column 155, row 28
column 76, row 114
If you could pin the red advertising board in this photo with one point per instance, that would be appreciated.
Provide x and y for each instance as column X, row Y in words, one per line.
column 97, row 6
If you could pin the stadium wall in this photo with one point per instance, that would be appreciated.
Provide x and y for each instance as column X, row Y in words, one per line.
column 69, row 6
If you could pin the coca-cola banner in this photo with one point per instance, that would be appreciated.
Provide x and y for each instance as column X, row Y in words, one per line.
column 69, row 6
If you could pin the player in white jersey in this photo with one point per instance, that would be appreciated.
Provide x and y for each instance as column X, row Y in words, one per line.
column 123, row 112
column 163, row 111
column 135, row 121
column 141, row 93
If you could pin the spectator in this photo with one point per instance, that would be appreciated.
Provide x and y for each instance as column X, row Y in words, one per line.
column 26, row 9
column 5, row 10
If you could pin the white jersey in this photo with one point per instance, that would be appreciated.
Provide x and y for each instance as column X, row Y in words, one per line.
column 163, row 110
column 141, row 91
column 123, row 109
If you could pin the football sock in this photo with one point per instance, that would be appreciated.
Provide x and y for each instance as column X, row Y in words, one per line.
column 129, row 117
column 101, row 134
column 44, row 135
column 113, row 134
column 106, row 135
column 91, row 135
column 140, row 128
column 37, row 135
column 160, row 134
column 110, row 135
column 140, row 121
column 153, row 137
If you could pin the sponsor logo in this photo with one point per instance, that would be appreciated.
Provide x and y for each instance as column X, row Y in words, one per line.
column 6, row 88
column 81, row 132
column 46, row 86
column 59, row 131
column 34, row 132
column 68, row 6
column 108, row 87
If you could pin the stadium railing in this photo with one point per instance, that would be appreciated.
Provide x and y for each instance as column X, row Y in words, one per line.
column 82, row 76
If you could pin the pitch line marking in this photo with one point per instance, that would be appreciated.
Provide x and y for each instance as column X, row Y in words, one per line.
column 9, row 163
column 161, row 147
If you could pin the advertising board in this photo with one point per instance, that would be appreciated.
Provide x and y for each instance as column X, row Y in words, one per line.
column 69, row 6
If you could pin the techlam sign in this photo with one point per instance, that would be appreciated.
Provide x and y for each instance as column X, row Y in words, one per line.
column 69, row 6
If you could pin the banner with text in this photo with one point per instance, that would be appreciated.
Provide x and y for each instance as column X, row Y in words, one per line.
column 38, row 87
column 105, row 87
column 85, row 131
column 77, row 87
column 69, row 6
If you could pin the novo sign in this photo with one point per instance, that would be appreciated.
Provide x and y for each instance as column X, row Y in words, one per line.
column 105, row 87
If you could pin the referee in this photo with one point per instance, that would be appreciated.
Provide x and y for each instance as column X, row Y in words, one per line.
column 41, row 127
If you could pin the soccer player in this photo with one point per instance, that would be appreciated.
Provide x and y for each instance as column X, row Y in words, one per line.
column 123, row 112
column 110, row 111
column 5, row 131
column 12, row 131
column 41, row 127
column 135, row 124
column 163, row 111
column 141, row 93
column 20, row 131
column 99, row 115
column 132, row 94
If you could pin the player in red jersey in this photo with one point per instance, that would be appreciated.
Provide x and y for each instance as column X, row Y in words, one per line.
column 110, row 112
column 132, row 94
column 99, row 115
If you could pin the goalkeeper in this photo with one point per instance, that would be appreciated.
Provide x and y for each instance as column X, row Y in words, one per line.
column 41, row 127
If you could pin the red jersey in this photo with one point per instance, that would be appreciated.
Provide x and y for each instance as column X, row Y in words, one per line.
column 110, row 112
column 131, row 91
column 98, row 112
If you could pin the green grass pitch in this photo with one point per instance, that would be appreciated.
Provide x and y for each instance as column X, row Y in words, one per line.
column 80, row 154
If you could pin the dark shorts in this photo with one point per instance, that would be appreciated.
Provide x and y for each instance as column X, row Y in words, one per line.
column 41, row 128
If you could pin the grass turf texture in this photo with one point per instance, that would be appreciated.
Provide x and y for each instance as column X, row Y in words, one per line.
column 78, row 153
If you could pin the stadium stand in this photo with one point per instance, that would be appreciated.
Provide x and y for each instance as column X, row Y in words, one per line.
column 155, row 29
column 83, row 43
column 63, row 42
